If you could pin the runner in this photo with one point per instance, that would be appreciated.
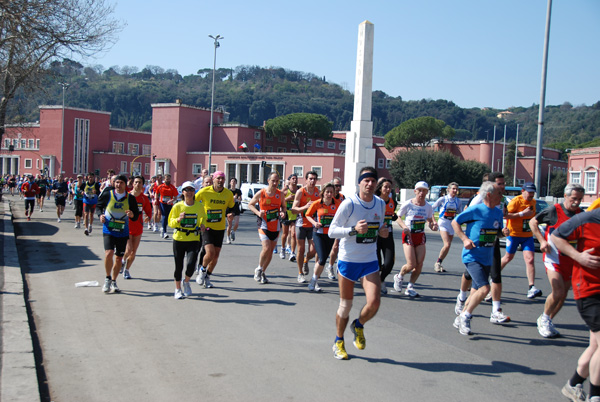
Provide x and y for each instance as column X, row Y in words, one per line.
column 416, row 212
column 271, row 209
column 30, row 190
column 91, row 190
column 136, row 228
column 116, row 208
column 156, row 217
column 320, row 214
column 386, row 248
column 337, row 185
column 358, row 222
column 78, row 200
column 167, row 196
column 586, row 290
column 12, row 183
column 520, row 210
column 186, row 219
column 484, row 224
column 288, row 237
column 43, row 184
column 216, row 199
column 558, row 267
column 304, row 230
column 60, row 190
column 450, row 206
column 233, row 219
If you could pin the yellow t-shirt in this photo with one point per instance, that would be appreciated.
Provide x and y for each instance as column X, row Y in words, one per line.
column 215, row 206
column 194, row 217
column 519, row 227
column 595, row 205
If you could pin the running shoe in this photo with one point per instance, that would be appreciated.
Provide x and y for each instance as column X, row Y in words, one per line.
column 282, row 254
column 465, row 325
column 410, row 292
column 113, row 287
column 301, row 278
column 227, row 240
column 438, row 267
column 155, row 228
column 126, row 274
column 178, row 294
column 305, row 268
column 149, row 226
column 263, row 279
column 58, row 220
column 292, row 257
column 329, row 270
column 86, row 232
column 339, row 350
column 201, row 277
column 458, row 307
column 29, row 218
column 398, row 283
column 533, row 293
column 575, row 393
column 90, row 229
column 232, row 236
column 313, row 285
column 383, row 288
column 545, row 327
column 275, row 250
column 106, row 287
column 456, row 323
column 257, row 274
column 26, row 212
column 187, row 289
column 207, row 283
column 359, row 336
column 165, row 235
column 498, row 317
column 41, row 210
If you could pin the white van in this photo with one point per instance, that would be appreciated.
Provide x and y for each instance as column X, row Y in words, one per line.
column 248, row 191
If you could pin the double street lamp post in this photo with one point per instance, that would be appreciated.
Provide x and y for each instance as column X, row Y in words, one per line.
column 212, row 100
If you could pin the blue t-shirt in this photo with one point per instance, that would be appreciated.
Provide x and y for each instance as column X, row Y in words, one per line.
column 483, row 225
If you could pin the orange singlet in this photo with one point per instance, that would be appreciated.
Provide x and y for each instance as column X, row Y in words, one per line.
column 271, row 205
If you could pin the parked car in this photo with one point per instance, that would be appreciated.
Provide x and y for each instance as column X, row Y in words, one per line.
column 248, row 191
column 540, row 205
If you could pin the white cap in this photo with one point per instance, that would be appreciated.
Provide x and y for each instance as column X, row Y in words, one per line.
column 187, row 184
column 422, row 184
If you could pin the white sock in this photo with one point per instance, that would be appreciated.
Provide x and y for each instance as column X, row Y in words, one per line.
column 463, row 295
column 495, row 306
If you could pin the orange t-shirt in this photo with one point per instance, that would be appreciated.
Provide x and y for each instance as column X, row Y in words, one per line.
column 519, row 227
column 595, row 205
column 304, row 199
column 325, row 213
column 271, row 204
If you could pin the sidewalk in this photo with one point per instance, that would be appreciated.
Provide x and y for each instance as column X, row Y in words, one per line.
column 18, row 378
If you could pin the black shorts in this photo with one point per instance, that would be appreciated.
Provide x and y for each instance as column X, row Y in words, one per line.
column 214, row 237
column 60, row 201
column 117, row 244
column 589, row 309
column 288, row 222
column 89, row 208
column 78, row 207
column 42, row 193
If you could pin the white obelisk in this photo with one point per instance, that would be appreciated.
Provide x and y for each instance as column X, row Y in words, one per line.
column 359, row 140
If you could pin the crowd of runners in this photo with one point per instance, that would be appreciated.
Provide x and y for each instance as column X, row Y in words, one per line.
column 356, row 232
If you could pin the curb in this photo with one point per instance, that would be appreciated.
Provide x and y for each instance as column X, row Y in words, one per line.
column 18, row 375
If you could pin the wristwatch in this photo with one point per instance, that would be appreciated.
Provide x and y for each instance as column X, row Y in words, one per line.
column 353, row 231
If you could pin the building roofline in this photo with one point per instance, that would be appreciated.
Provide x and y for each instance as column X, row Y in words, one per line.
column 265, row 153
column 129, row 130
column 73, row 108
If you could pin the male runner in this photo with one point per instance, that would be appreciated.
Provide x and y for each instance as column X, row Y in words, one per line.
column 136, row 228
column 61, row 191
column 91, row 191
column 30, row 190
column 167, row 196
column 358, row 222
column 288, row 235
column 304, row 230
column 233, row 219
column 216, row 199
column 43, row 184
column 78, row 200
column 559, row 268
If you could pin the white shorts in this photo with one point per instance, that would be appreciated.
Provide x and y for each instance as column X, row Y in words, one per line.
column 446, row 226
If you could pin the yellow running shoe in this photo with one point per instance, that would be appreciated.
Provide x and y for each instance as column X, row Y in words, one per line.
column 359, row 336
column 339, row 351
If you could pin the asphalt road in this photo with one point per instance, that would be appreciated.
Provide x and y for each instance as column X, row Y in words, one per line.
column 245, row 341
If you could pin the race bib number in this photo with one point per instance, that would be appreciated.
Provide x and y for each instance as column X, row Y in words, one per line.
column 326, row 220
column 370, row 236
column 526, row 227
column 387, row 221
column 189, row 221
column 288, row 205
column 214, row 215
column 116, row 225
column 417, row 226
column 140, row 207
column 450, row 214
column 487, row 237
column 166, row 199
column 272, row 215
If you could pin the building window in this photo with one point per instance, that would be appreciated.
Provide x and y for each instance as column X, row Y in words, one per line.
column 318, row 170
column 342, row 146
column 124, row 167
column 268, row 148
column 213, row 168
column 309, row 142
column 257, row 135
column 575, row 177
column 380, row 162
column 298, row 170
column 23, row 144
column 37, row 163
column 7, row 142
column 282, row 139
column 520, row 182
column 119, row 147
column 320, row 143
column 294, row 151
column 28, row 163
column 146, row 169
column 330, row 145
column 30, row 144
column 281, row 149
column 388, row 163
column 37, row 144
column 196, row 168
column 146, row 149
column 269, row 136
column 81, row 134
column 136, row 168
column 590, row 182
column 133, row 149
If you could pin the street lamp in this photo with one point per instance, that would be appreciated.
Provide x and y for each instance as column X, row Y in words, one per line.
column 62, row 135
column 212, row 100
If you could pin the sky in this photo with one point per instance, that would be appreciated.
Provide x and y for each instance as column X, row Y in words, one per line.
column 475, row 53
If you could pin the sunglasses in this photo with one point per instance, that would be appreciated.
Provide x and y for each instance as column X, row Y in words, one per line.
column 189, row 189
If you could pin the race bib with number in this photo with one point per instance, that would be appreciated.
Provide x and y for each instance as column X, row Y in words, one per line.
column 370, row 236
column 450, row 214
column 272, row 215
column 326, row 220
column 487, row 237
column 189, row 221
column 116, row 225
column 214, row 215
column 166, row 199
column 417, row 226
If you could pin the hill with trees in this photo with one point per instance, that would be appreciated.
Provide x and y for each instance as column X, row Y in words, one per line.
column 252, row 95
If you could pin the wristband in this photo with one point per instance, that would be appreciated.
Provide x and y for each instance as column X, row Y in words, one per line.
column 521, row 214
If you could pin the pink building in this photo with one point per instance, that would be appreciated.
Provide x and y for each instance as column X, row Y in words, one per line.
column 583, row 169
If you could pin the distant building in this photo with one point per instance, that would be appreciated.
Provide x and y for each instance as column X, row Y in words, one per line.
column 584, row 164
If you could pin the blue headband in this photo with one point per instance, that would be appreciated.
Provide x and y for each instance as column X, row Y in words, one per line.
column 365, row 175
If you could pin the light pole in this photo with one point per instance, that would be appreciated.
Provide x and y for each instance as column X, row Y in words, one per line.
column 212, row 100
column 64, row 86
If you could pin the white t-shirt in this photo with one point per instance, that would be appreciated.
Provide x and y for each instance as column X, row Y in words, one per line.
column 415, row 216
